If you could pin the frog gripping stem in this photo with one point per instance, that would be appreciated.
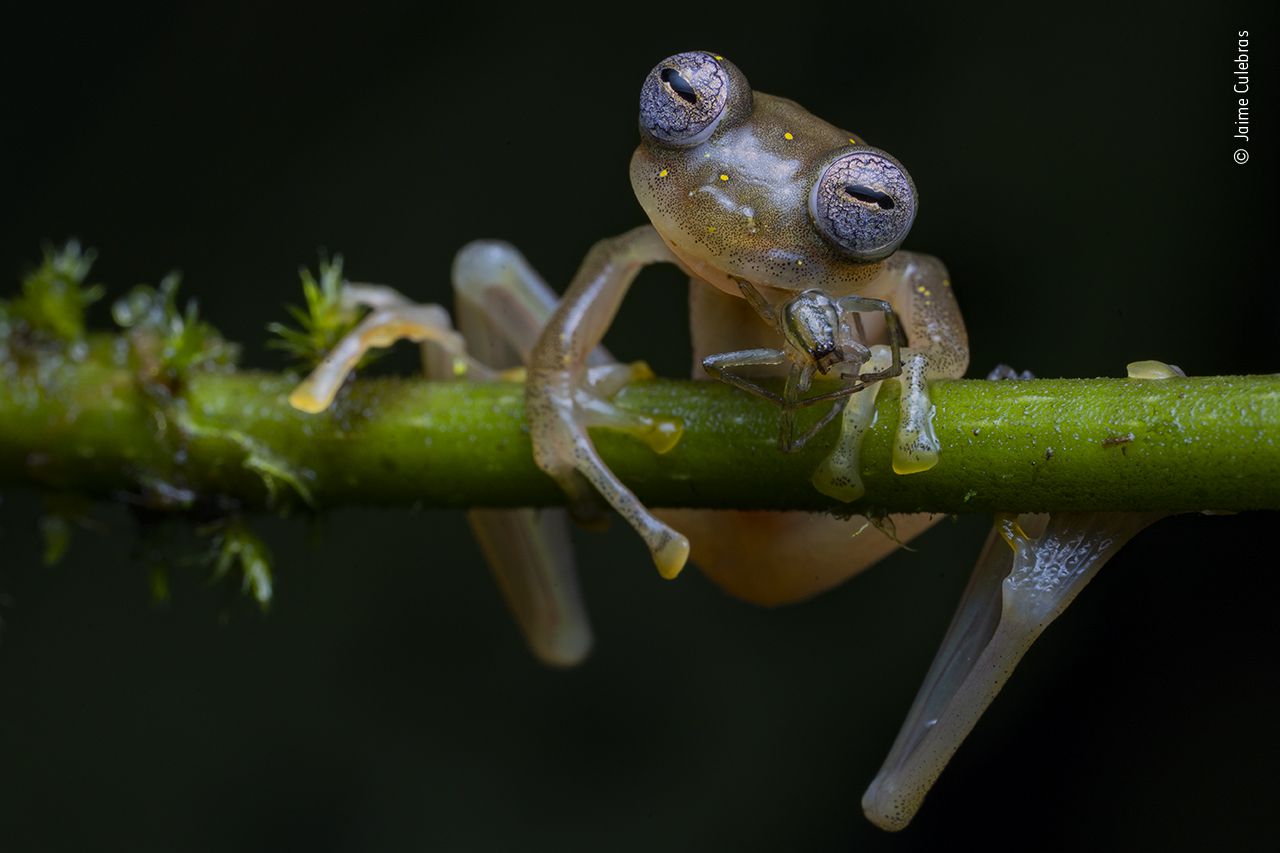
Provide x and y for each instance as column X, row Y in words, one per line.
column 1019, row 585
column 561, row 401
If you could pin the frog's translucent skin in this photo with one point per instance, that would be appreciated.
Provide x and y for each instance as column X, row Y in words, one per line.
column 1020, row 584
column 1018, row 587
column 729, row 183
column 502, row 305
column 735, row 205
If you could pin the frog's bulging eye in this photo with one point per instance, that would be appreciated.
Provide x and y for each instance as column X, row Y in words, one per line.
column 684, row 98
column 864, row 203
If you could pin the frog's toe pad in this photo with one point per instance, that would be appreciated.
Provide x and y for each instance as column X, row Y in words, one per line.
column 846, row 486
column 671, row 555
column 915, row 451
column 664, row 434
column 1153, row 370
column 304, row 399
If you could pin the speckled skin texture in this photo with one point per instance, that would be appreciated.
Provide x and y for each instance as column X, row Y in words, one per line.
column 873, row 223
column 754, row 197
column 730, row 198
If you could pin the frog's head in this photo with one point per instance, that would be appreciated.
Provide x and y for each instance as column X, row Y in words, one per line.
column 749, row 185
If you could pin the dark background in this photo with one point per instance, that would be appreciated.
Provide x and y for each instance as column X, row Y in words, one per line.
column 1076, row 175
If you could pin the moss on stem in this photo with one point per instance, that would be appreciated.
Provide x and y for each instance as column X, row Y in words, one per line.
column 223, row 438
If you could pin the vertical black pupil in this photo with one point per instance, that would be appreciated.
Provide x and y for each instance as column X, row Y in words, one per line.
column 679, row 85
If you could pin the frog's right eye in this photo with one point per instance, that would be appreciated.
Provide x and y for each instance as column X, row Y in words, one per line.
column 685, row 96
column 864, row 203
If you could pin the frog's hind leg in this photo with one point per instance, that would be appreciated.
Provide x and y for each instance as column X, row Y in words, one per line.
column 392, row 317
column 1019, row 585
column 501, row 305
column 531, row 557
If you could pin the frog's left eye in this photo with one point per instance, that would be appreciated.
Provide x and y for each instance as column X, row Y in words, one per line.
column 864, row 203
column 685, row 96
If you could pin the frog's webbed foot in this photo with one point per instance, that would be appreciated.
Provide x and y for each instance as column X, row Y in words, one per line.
column 1018, row 587
column 502, row 305
column 916, row 448
column 938, row 349
column 565, row 394
column 392, row 318
column 916, row 445
column 595, row 403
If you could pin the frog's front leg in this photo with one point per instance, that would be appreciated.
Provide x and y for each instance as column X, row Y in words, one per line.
column 937, row 348
column 560, row 402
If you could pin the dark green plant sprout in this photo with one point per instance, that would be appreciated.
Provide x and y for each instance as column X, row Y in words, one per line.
column 166, row 342
column 236, row 547
column 54, row 296
column 322, row 321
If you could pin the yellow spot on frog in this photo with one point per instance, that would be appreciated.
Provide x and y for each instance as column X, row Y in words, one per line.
column 799, row 263
column 788, row 136
column 711, row 229
column 852, row 141
column 723, row 176
column 946, row 282
column 662, row 174
column 717, row 57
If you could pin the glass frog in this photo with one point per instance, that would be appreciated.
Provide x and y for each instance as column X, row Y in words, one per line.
column 789, row 228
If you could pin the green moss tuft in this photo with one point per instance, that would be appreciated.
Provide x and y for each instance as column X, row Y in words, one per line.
column 322, row 322
column 54, row 297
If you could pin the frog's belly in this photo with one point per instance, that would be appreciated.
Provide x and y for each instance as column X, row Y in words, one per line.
column 772, row 558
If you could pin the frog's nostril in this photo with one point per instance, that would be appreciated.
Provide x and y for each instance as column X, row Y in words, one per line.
column 679, row 85
column 867, row 195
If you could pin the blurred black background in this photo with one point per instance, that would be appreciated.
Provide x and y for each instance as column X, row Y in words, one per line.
column 1076, row 175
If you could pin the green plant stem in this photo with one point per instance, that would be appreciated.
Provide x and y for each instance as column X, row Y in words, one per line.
column 1042, row 445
